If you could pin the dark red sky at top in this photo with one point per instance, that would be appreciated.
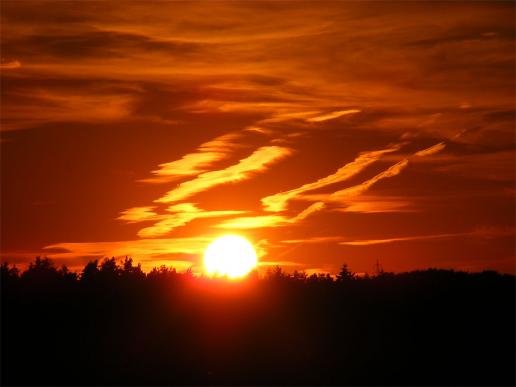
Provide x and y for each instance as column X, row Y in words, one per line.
column 324, row 132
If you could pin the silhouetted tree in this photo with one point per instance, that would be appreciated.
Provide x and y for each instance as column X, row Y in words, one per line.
column 109, row 270
column 41, row 272
column 299, row 276
column 161, row 272
column 9, row 276
column 275, row 273
column 319, row 278
column 90, row 271
column 9, row 272
column 345, row 274
column 67, row 275
column 129, row 271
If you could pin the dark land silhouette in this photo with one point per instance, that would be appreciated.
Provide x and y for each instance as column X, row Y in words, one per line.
column 114, row 325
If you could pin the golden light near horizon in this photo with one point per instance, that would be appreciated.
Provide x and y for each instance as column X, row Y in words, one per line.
column 230, row 255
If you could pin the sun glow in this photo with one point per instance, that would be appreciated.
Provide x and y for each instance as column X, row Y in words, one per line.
column 230, row 255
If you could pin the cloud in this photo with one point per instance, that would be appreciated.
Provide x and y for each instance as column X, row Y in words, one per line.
column 28, row 107
column 264, row 221
column 195, row 163
column 432, row 150
column 359, row 189
column 368, row 242
column 279, row 201
column 254, row 222
column 308, row 211
column 141, row 249
column 345, row 194
column 378, row 204
column 481, row 232
column 333, row 115
column 138, row 214
column 258, row 161
column 484, row 232
column 12, row 64
column 93, row 43
column 327, row 239
column 182, row 214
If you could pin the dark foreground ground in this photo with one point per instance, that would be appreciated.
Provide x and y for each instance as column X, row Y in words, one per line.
column 117, row 326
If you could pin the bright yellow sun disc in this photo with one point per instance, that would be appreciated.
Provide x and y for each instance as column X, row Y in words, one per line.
column 231, row 256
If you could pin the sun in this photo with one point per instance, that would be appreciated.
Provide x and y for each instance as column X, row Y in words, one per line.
column 230, row 255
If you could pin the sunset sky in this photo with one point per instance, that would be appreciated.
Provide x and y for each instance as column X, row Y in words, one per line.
column 324, row 132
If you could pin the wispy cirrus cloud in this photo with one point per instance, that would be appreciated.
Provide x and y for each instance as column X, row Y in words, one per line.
column 197, row 162
column 317, row 206
column 333, row 115
column 392, row 171
column 432, row 150
column 481, row 232
column 371, row 204
column 488, row 232
column 10, row 64
column 181, row 214
column 38, row 106
column 138, row 214
column 251, row 222
column 264, row 221
column 343, row 195
column 326, row 239
column 359, row 189
column 279, row 201
column 258, row 161
column 141, row 248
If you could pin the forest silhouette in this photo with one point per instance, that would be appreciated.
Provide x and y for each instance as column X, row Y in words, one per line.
column 113, row 324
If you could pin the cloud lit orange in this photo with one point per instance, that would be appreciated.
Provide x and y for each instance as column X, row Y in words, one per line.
column 346, row 127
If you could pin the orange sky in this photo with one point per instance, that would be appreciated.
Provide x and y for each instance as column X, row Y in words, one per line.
column 324, row 132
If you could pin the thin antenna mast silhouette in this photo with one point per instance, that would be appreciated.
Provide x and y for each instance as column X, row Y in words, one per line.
column 379, row 268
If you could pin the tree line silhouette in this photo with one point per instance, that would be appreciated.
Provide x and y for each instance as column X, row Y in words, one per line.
column 113, row 324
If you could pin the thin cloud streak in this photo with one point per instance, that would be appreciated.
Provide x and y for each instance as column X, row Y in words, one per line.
column 359, row 189
column 311, row 240
column 13, row 64
column 183, row 214
column 333, row 115
column 344, row 194
column 264, row 221
column 138, row 214
column 392, row 171
column 258, row 161
column 482, row 232
column 279, row 201
column 318, row 206
column 141, row 249
column 378, row 204
column 252, row 222
column 195, row 163
column 432, row 150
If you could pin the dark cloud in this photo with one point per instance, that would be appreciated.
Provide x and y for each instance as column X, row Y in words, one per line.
column 99, row 44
